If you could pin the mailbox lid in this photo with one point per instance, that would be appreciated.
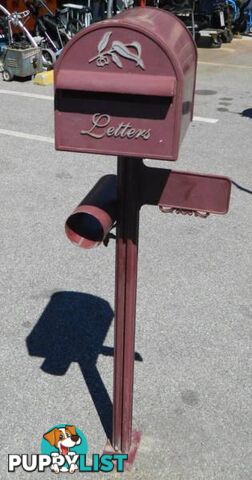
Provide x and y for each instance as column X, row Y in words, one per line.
column 168, row 30
column 151, row 25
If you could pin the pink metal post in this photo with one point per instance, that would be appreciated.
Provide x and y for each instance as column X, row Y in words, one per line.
column 125, row 301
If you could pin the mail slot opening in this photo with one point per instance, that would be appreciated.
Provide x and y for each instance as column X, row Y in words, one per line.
column 115, row 105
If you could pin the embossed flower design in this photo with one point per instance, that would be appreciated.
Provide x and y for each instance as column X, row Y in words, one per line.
column 102, row 61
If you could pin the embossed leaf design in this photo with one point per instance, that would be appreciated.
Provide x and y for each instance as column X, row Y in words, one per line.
column 137, row 46
column 103, row 42
column 120, row 48
column 141, row 63
column 116, row 60
column 124, row 51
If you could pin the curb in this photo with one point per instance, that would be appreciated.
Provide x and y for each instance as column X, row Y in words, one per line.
column 44, row 78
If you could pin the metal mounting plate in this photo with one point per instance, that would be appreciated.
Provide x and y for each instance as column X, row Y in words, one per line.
column 196, row 192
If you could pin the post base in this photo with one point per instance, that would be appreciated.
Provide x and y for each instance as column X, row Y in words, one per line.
column 135, row 441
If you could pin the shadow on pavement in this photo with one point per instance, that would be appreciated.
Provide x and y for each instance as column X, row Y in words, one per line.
column 240, row 187
column 247, row 113
column 73, row 328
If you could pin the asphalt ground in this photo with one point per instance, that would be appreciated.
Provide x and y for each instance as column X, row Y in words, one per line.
column 192, row 395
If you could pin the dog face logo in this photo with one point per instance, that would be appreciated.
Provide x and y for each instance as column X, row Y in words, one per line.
column 63, row 439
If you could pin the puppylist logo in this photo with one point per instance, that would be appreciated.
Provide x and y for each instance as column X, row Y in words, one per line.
column 64, row 448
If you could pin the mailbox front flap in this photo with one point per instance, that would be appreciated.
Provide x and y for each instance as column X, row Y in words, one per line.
column 119, row 86
column 156, row 85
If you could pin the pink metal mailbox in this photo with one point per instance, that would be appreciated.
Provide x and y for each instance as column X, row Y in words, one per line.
column 126, row 86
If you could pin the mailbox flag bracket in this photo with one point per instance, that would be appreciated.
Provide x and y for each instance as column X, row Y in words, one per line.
column 185, row 192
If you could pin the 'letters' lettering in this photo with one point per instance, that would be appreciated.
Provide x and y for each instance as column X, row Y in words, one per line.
column 100, row 128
